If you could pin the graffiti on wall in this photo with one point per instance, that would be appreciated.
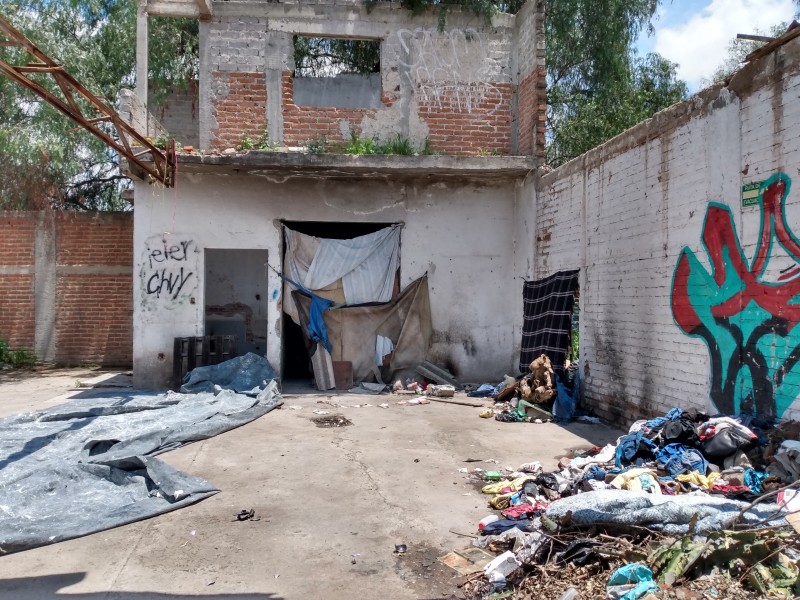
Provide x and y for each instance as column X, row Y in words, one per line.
column 746, row 311
column 168, row 272
column 448, row 68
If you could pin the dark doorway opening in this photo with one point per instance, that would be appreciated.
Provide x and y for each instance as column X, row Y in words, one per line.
column 236, row 293
column 296, row 363
column 334, row 230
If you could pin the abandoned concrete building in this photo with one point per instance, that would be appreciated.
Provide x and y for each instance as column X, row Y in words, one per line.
column 684, row 298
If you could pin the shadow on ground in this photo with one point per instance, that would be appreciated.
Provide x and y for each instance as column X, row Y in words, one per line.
column 23, row 373
column 49, row 586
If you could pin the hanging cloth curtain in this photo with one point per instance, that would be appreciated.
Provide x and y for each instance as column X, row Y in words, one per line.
column 366, row 264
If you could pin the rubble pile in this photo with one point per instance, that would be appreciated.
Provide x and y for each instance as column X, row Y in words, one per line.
column 682, row 506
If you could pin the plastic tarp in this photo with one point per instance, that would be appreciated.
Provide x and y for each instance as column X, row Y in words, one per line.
column 87, row 465
column 354, row 271
column 670, row 514
column 244, row 374
column 354, row 330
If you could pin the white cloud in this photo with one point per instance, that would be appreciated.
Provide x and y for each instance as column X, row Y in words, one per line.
column 700, row 43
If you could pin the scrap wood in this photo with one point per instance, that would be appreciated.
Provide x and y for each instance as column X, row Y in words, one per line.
column 459, row 402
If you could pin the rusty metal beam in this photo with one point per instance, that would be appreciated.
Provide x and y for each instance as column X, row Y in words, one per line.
column 162, row 168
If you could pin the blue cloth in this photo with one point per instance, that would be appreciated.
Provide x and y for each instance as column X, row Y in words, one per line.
column 316, row 328
column 677, row 458
column 486, row 391
column 630, row 574
column 565, row 402
column 753, row 479
column 595, row 472
column 636, row 449
column 672, row 415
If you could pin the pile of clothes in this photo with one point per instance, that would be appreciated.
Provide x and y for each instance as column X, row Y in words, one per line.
column 691, row 476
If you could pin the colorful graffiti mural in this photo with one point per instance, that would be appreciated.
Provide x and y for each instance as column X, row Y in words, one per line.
column 746, row 311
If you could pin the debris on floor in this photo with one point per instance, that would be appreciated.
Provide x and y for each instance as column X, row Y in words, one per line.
column 682, row 506
column 331, row 421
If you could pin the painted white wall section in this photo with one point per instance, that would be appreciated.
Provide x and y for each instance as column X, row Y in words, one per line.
column 645, row 217
column 460, row 234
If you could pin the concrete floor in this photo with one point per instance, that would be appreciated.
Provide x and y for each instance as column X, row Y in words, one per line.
column 325, row 497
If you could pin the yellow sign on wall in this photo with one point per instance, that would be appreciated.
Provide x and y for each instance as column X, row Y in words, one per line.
column 750, row 193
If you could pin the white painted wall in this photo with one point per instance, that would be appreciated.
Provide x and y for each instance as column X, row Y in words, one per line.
column 461, row 234
column 624, row 212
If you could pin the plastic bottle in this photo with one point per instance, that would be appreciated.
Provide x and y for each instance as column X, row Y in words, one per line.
column 493, row 475
column 486, row 520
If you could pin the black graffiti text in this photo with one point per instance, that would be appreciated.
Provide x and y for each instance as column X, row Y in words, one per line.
column 168, row 282
column 176, row 252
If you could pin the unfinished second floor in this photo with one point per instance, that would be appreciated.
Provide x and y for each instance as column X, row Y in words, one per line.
column 312, row 76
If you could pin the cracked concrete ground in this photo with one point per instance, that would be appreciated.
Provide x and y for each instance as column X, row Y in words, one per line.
column 332, row 502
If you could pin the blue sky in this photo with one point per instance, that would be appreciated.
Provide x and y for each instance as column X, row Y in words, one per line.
column 696, row 33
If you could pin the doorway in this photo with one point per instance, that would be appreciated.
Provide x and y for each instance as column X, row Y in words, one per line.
column 296, row 344
column 236, row 294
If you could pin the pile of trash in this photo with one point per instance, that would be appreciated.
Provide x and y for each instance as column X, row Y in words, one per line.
column 682, row 506
column 537, row 396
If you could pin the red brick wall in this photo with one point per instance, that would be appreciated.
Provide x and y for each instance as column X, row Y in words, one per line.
column 239, row 108
column 93, row 285
column 16, row 286
column 94, row 288
column 94, row 319
column 532, row 102
column 483, row 126
column 304, row 123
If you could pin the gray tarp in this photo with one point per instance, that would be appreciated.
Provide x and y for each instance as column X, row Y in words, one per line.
column 670, row 514
column 244, row 374
column 353, row 330
column 87, row 465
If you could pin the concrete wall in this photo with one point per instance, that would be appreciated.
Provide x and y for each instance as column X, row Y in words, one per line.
column 456, row 88
column 679, row 304
column 65, row 285
column 461, row 234
column 179, row 113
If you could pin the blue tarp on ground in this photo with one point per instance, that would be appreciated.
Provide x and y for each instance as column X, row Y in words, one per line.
column 88, row 465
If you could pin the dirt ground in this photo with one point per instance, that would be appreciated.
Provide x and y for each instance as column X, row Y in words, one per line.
column 331, row 503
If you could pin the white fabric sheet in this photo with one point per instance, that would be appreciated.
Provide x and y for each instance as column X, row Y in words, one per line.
column 365, row 264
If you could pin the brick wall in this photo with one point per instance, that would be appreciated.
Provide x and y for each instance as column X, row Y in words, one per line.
column 83, row 314
column 482, row 126
column 94, row 288
column 16, row 279
column 240, row 109
column 531, row 98
column 632, row 211
column 304, row 123
column 178, row 113
column 455, row 88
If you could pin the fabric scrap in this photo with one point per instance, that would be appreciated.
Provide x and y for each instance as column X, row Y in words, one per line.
column 547, row 318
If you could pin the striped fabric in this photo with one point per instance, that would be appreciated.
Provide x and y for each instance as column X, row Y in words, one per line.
column 547, row 318
column 366, row 264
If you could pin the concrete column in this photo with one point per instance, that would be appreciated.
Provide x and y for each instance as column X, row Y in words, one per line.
column 204, row 83
column 274, row 79
column 142, row 66
column 44, row 287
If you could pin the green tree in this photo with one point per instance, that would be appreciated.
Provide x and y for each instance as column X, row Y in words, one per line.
column 738, row 51
column 597, row 85
column 44, row 160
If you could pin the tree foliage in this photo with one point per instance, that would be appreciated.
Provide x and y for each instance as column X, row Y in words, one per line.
column 738, row 51
column 597, row 85
column 44, row 160
column 328, row 57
